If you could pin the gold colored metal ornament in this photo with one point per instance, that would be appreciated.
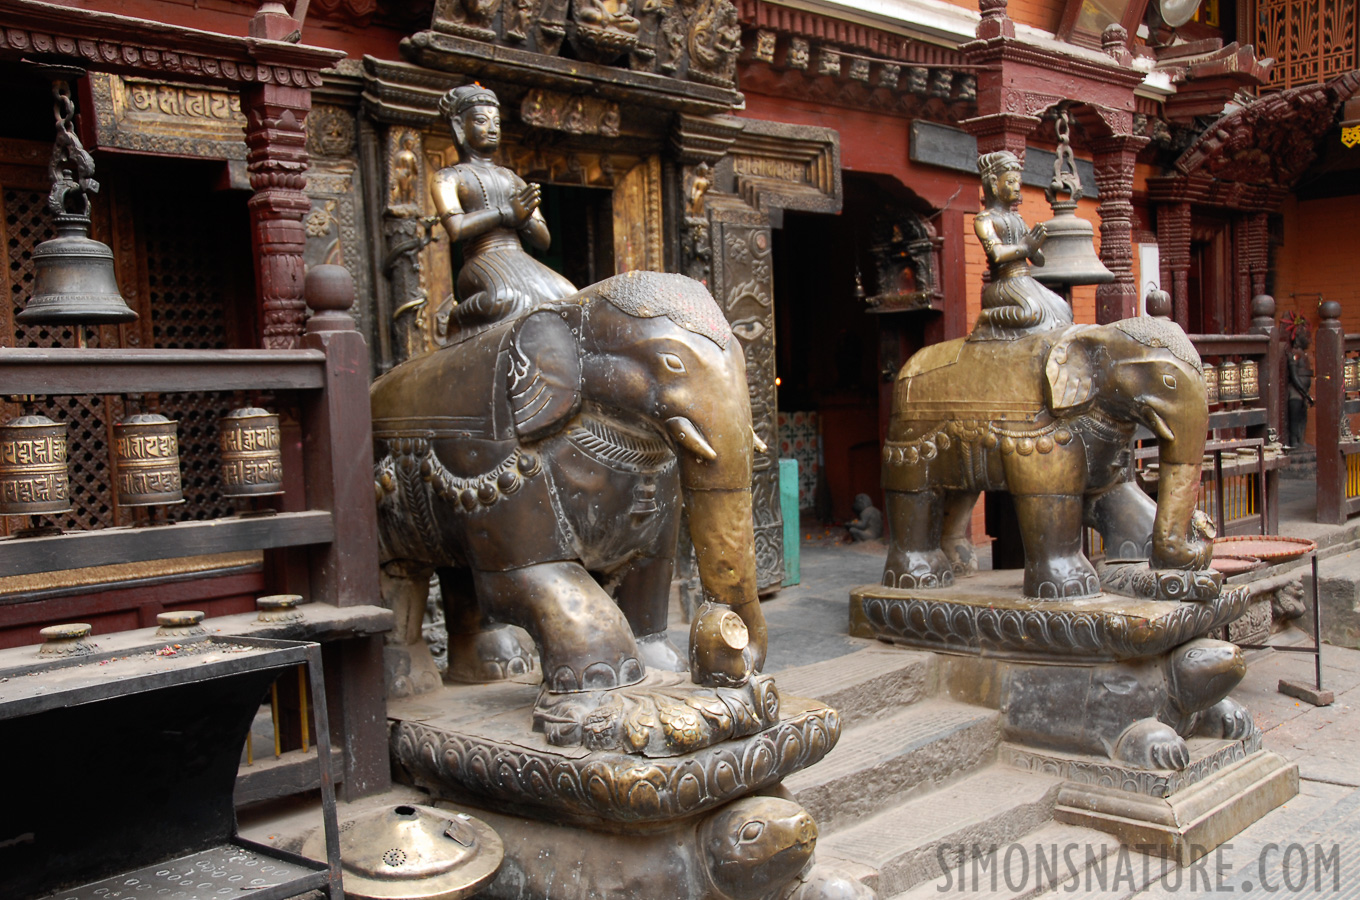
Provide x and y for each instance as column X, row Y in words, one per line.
column 252, row 462
column 277, row 608
column 1229, row 382
column 67, row 640
column 147, row 450
column 414, row 853
column 33, row 474
column 1251, row 379
column 1211, row 383
column 180, row 624
column 1351, row 371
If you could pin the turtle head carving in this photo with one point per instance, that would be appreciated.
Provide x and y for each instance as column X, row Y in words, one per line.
column 756, row 844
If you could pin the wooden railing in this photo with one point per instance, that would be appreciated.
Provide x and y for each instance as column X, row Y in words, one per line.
column 325, row 548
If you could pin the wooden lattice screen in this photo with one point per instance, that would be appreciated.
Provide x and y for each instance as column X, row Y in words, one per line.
column 184, row 291
column 1311, row 42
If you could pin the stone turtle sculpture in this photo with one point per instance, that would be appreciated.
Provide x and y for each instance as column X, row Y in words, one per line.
column 755, row 848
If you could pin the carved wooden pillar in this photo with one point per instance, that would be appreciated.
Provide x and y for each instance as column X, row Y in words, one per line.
column 1001, row 131
column 1114, row 158
column 276, row 144
column 406, row 237
column 1242, row 257
column 1329, row 389
column 1173, row 244
column 1260, row 252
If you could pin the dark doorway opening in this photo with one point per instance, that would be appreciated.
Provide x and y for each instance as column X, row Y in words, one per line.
column 581, row 222
column 835, row 357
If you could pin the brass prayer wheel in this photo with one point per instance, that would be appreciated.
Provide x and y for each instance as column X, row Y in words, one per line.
column 1211, row 383
column 1229, row 382
column 147, row 450
column 33, row 475
column 1351, row 371
column 252, row 462
column 1251, row 379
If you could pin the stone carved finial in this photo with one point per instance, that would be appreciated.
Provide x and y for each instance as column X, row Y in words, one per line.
column 1262, row 314
column 995, row 22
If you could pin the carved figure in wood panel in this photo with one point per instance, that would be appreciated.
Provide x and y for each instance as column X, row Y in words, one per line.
column 1013, row 302
column 491, row 210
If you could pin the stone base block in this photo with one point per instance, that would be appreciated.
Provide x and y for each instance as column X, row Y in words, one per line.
column 473, row 744
column 1191, row 821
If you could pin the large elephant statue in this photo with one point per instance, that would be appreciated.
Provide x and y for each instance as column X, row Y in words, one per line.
column 1049, row 418
column 538, row 467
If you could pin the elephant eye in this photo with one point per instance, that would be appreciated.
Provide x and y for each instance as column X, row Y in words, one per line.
column 1169, row 381
column 673, row 363
column 751, row 831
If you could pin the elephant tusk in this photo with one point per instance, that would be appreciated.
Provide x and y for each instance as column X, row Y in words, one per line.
column 690, row 437
column 1158, row 425
column 761, row 446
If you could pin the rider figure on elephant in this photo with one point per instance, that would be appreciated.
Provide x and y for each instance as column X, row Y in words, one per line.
column 492, row 210
column 1014, row 304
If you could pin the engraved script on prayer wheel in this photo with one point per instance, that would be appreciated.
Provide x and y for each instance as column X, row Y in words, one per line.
column 147, row 450
column 1351, row 374
column 33, row 475
column 1251, row 379
column 1211, row 383
column 1229, row 382
column 252, row 463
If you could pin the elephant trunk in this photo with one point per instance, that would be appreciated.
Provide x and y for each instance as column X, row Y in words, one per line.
column 1173, row 546
column 720, row 526
column 1181, row 453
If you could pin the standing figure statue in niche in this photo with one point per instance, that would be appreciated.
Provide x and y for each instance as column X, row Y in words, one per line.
column 491, row 210
column 1013, row 302
column 1300, row 383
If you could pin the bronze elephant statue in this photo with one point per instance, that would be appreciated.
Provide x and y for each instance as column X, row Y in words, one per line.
column 538, row 466
column 1048, row 417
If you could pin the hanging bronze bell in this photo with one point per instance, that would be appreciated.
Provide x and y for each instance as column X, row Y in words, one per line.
column 73, row 280
column 252, row 462
column 147, row 451
column 1070, row 251
column 33, row 474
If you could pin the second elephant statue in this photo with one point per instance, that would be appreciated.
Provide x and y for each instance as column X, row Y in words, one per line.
column 1048, row 417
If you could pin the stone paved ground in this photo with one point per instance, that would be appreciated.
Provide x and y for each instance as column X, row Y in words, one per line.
column 1309, row 847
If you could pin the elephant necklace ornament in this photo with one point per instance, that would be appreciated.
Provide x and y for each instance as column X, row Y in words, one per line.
column 536, row 466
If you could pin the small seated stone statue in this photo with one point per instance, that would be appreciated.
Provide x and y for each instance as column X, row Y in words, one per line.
column 868, row 526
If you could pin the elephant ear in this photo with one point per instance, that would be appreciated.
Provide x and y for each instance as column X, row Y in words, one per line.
column 544, row 386
column 1071, row 373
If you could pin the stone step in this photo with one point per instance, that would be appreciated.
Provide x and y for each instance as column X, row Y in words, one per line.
column 1052, row 855
column 916, row 841
column 865, row 684
column 893, row 758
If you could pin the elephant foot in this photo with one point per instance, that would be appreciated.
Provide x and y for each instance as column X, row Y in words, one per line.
column 962, row 557
column 657, row 652
column 1225, row 719
column 497, row 654
column 1152, row 744
column 409, row 669
column 918, row 569
column 663, row 715
column 1173, row 585
column 1061, row 578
